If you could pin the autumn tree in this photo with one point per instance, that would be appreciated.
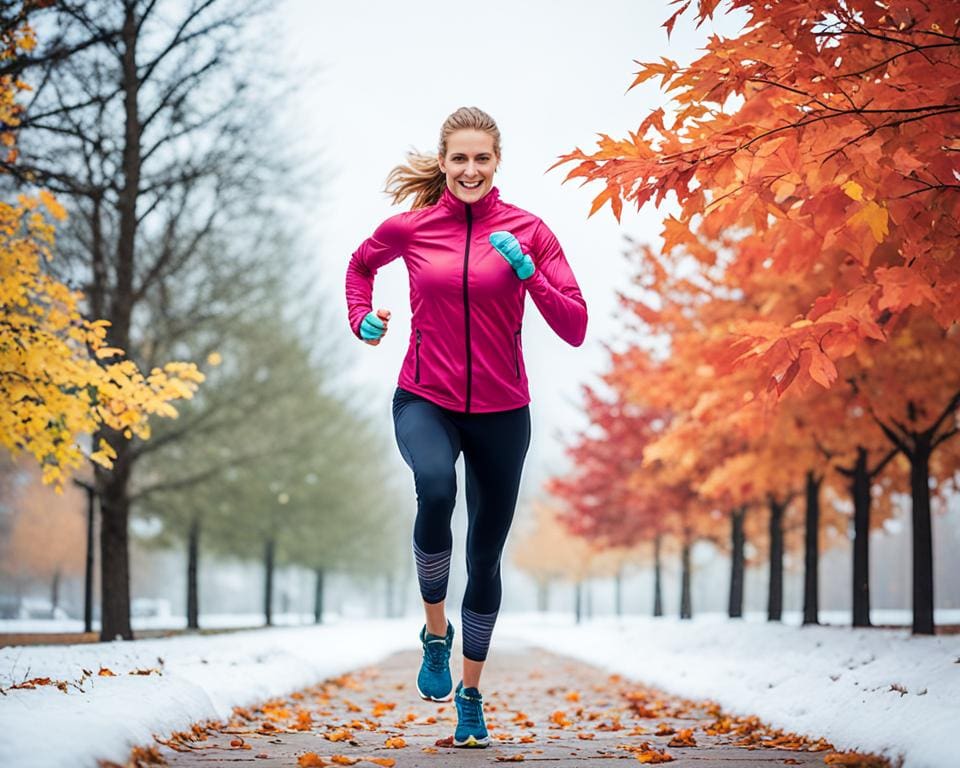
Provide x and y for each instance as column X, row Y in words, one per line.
column 46, row 534
column 824, row 137
column 56, row 385
column 154, row 137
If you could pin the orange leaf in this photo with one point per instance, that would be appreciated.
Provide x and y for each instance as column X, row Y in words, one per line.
column 395, row 742
column 822, row 369
column 104, row 672
column 344, row 760
column 311, row 760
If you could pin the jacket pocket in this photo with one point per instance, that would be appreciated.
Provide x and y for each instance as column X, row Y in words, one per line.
column 516, row 351
column 416, row 374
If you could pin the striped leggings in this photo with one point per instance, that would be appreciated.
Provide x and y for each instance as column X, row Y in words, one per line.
column 494, row 447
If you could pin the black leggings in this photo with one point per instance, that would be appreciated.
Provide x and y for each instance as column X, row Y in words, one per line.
column 494, row 447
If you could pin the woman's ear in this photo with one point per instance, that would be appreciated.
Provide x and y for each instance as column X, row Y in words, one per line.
column 440, row 163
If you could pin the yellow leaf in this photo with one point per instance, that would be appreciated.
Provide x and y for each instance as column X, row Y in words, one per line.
column 853, row 190
column 50, row 203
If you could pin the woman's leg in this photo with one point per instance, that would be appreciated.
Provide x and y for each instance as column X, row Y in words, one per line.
column 494, row 447
column 430, row 445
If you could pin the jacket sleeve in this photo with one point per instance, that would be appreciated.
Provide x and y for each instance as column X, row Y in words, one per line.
column 386, row 243
column 554, row 289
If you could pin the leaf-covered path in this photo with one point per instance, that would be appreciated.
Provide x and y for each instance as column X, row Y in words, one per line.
column 540, row 708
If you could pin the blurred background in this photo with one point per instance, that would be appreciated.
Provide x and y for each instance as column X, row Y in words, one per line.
column 265, row 133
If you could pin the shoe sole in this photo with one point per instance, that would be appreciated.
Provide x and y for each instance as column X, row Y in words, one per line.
column 472, row 741
column 448, row 697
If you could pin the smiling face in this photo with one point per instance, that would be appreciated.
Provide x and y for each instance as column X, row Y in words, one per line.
column 469, row 164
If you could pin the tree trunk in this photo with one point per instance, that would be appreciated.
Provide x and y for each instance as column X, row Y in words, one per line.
column 114, row 550
column 55, row 592
column 588, row 599
column 775, row 592
column 268, row 555
column 389, row 596
column 657, row 578
column 193, row 558
column 618, row 592
column 543, row 595
column 685, row 609
column 811, row 551
column 112, row 485
column 88, row 570
column 737, row 540
column 318, row 597
column 922, row 537
column 578, row 602
column 860, row 490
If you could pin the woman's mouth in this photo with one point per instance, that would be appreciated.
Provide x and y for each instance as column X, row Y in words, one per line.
column 471, row 184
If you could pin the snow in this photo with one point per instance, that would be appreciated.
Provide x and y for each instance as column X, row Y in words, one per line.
column 198, row 678
column 877, row 690
column 829, row 681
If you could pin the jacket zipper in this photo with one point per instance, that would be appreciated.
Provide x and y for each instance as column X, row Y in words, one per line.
column 516, row 350
column 416, row 376
column 466, row 302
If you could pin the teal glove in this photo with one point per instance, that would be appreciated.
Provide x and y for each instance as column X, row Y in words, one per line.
column 509, row 248
column 372, row 327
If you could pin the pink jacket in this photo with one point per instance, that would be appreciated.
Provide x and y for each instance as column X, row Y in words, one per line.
column 465, row 350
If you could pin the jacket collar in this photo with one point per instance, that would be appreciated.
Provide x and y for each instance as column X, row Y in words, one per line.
column 456, row 207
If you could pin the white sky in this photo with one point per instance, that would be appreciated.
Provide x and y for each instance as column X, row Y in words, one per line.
column 553, row 75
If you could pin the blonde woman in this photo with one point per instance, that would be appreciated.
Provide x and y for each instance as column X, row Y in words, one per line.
column 472, row 260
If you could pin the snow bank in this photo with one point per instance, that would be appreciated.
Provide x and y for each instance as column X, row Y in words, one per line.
column 196, row 678
column 877, row 690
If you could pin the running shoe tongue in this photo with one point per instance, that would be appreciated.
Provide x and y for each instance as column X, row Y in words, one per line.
column 472, row 693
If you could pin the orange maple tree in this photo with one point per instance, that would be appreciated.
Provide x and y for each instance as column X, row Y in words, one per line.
column 818, row 148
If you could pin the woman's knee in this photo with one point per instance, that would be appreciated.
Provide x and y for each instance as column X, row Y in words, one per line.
column 436, row 488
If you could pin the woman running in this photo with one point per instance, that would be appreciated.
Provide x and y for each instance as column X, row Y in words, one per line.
column 472, row 259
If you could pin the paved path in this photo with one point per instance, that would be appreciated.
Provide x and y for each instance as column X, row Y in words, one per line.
column 540, row 708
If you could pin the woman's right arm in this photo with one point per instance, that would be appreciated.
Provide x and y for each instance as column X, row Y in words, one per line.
column 383, row 246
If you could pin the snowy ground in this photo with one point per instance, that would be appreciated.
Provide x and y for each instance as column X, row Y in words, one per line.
column 875, row 690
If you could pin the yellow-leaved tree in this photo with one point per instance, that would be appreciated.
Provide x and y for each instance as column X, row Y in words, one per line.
column 59, row 380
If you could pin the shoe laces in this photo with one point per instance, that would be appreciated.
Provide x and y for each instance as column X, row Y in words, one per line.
column 470, row 710
column 436, row 654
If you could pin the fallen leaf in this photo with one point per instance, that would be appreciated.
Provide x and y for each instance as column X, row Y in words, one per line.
column 396, row 742
column 684, row 738
column 854, row 760
column 311, row 760
column 431, row 750
column 386, row 762
column 341, row 734
column 664, row 730
column 560, row 718
column 447, row 741
column 344, row 760
column 511, row 759
column 573, row 696
column 104, row 672
column 586, row 736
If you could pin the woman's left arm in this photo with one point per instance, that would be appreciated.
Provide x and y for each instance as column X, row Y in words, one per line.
column 554, row 289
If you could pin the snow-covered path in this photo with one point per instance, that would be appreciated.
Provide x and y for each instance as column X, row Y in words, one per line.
column 876, row 691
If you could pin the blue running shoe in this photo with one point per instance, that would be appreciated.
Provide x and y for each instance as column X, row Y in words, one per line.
column 471, row 729
column 434, row 682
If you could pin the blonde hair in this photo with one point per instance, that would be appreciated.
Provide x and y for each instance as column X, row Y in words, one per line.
column 421, row 176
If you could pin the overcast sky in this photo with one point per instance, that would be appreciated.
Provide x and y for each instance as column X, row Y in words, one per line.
column 553, row 74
